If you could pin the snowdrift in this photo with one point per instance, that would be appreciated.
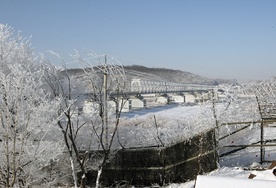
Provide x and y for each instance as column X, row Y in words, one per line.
column 230, row 182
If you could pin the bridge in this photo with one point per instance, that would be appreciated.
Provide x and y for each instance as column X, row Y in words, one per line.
column 155, row 86
column 143, row 93
column 149, row 93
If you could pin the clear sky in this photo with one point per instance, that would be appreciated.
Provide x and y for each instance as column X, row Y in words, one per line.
column 212, row 38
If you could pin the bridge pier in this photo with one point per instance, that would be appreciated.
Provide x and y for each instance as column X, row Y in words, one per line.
column 136, row 103
column 190, row 97
column 195, row 97
column 163, row 99
column 177, row 98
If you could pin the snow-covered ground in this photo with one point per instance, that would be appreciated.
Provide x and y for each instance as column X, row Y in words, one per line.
column 172, row 123
column 175, row 123
column 178, row 122
column 233, row 172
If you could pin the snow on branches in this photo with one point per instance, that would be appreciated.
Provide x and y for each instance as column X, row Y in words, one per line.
column 25, row 112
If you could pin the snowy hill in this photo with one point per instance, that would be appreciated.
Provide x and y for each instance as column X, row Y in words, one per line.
column 171, row 75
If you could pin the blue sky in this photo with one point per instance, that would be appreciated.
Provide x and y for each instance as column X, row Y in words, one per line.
column 216, row 39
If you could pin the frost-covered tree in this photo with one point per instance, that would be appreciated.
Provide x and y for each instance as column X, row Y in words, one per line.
column 96, row 128
column 63, row 87
column 26, row 115
column 106, row 82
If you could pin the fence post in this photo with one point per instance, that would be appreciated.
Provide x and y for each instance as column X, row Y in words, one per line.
column 262, row 141
column 262, row 132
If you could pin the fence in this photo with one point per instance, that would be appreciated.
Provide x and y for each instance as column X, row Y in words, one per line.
column 177, row 163
column 234, row 139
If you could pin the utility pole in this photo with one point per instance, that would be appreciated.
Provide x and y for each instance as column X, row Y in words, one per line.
column 105, row 103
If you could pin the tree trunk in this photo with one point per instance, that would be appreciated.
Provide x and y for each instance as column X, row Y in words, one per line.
column 73, row 172
column 83, row 181
column 98, row 177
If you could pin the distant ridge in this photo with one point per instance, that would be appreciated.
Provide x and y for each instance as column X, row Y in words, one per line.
column 170, row 75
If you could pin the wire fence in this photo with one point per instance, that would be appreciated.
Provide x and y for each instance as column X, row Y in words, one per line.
column 234, row 137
